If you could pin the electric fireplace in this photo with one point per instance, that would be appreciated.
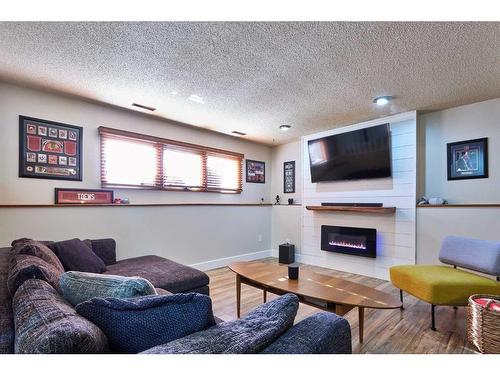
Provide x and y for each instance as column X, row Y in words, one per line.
column 349, row 240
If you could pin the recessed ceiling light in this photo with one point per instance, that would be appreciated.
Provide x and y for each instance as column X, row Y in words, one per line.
column 173, row 92
column 144, row 107
column 383, row 100
column 196, row 99
column 235, row 132
column 285, row 128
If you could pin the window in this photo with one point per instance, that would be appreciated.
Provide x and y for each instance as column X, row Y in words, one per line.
column 131, row 160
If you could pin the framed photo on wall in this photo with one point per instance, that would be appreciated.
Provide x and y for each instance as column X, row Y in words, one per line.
column 49, row 149
column 255, row 171
column 289, row 177
column 468, row 159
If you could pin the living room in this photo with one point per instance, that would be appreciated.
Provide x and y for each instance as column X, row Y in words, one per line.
column 250, row 187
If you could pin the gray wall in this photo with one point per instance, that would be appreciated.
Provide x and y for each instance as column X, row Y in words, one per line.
column 15, row 101
column 189, row 235
column 434, row 223
column 186, row 234
column 436, row 129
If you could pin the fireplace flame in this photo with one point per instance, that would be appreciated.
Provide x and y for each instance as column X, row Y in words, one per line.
column 352, row 245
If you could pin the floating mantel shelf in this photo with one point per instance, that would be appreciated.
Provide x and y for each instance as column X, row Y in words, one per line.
column 367, row 210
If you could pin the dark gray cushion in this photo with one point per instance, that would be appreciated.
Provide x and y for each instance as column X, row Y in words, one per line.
column 478, row 255
column 78, row 287
column 163, row 273
column 136, row 324
column 75, row 255
column 251, row 334
column 46, row 323
column 321, row 333
column 104, row 248
column 6, row 319
column 26, row 267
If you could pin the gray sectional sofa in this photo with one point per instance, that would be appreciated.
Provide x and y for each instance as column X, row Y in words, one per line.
column 37, row 305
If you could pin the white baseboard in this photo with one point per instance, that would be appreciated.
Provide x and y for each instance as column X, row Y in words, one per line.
column 222, row 262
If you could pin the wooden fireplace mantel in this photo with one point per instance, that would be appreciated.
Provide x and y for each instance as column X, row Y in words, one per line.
column 366, row 210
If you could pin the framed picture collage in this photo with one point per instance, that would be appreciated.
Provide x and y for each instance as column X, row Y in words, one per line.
column 49, row 149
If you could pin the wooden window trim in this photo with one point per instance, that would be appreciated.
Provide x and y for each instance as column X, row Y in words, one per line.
column 159, row 143
column 166, row 141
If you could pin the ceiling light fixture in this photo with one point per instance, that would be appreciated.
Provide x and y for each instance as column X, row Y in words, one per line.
column 382, row 100
column 196, row 99
column 240, row 134
column 285, row 128
column 144, row 107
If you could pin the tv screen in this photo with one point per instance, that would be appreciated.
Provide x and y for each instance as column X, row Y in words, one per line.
column 359, row 154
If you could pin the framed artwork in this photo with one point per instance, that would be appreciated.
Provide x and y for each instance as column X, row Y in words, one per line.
column 255, row 171
column 468, row 159
column 49, row 149
column 83, row 196
column 289, row 177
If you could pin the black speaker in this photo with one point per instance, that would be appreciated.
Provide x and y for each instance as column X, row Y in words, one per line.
column 287, row 253
column 293, row 272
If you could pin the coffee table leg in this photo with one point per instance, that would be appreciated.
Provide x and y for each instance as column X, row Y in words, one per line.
column 238, row 295
column 265, row 296
column 361, row 318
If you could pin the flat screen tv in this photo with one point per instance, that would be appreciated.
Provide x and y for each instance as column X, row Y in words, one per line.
column 359, row 154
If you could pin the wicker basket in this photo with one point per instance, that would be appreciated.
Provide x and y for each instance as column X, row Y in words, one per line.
column 483, row 324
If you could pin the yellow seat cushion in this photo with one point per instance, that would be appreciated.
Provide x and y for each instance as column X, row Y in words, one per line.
column 441, row 285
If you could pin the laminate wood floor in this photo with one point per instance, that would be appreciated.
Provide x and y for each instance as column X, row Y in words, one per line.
column 386, row 331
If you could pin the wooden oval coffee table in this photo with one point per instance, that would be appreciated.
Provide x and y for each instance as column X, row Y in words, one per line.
column 328, row 293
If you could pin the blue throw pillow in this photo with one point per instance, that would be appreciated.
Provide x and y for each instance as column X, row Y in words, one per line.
column 135, row 324
column 78, row 287
column 248, row 335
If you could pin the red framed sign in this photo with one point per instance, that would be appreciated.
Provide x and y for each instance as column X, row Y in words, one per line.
column 83, row 196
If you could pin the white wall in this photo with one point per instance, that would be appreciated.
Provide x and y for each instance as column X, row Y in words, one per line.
column 186, row 234
column 395, row 233
column 472, row 121
column 15, row 101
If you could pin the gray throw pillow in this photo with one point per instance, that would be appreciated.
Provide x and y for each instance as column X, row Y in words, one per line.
column 25, row 267
column 78, row 287
column 75, row 255
column 35, row 248
column 45, row 323
column 251, row 334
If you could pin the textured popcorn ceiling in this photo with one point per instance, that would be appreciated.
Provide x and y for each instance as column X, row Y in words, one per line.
column 254, row 77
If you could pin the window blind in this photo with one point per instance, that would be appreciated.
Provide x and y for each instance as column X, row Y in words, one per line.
column 132, row 160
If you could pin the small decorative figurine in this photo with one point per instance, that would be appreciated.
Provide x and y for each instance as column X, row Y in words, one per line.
column 277, row 200
column 423, row 201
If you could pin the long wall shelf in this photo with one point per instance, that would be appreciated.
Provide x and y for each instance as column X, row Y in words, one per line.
column 466, row 205
column 368, row 210
column 132, row 205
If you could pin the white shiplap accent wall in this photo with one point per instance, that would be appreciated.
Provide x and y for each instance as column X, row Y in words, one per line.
column 395, row 233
